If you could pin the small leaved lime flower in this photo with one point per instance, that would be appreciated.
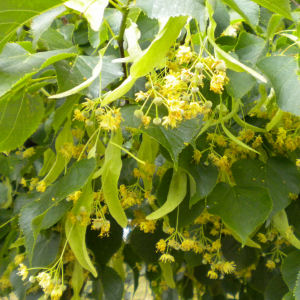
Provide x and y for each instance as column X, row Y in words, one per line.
column 28, row 152
column 212, row 274
column 44, row 280
column 161, row 245
column 187, row 245
column 257, row 142
column 41, row 186
column 197, row 156
column 228, row 267
column 184, row 54
column 105, row 228
column 57, row 292
column 78, row 115
column 19, row 258
column 111, row 120
column 148, row 226
column 262, row 238
column 23, row 271
column 217, row 83
column 174, row 244
column 167, row 258
column 298, row 162
column 23, row 182
column 74, row 197
column 270, row 264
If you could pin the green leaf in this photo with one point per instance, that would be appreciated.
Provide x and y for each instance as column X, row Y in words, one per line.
column 17, row 64
column 75, row 233
column 167, row 273
column 243, row 209
column 70, row 75
column 231, row 62
column 95, row 74
column 20, row 116
column 282, row 178
column 173, row 140
column 171, row 8
column 275, row 289
column 104, row 248
column 15, row 13
column 112, row 283
column 48, row 208
column 110, row 176
column 77, row 281
column 42, row 22
column 64, row 138
column 239, row 84
column 290, row 268
column 246, row 9
column 64, row 111
column 152, row 57
column 280, row 222
column 93, row 10
column 49, row 159
column 249, row 48
column 46, row 250
column 176, row 194
column 282, row 73
column 296, row 291
column 205, row 177
column 281, row 7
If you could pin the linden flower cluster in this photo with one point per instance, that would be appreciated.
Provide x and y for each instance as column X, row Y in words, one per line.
column 108, row 118
column 178, row 89
column 51, row 286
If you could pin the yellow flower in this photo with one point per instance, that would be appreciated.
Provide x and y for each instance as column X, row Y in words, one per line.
column 57, row 292
column 197, row 156
column 184, row 54
column 146, row 120
column 228, row 267
column 147, row 226
column 246, row 135
column 212, row 274
column 174, row 244
column 23, row 182
column 217, row 83
column 19, row 259
column 257, row 142
column 270, row 264
column 78, row 115
column 28, row 152
column 111, row 120
column 44, row 280
column 74, row 197
column 167, row 258
column 161, row 245
column 262, row 238
column 23, row 271
column 216, row 245
column 41, row 186
column 298, row 162
column 187, row 245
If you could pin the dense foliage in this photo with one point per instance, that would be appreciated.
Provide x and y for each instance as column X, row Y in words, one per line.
column 151, row 148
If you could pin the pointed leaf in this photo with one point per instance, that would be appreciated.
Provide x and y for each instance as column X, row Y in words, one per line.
column 75, row 233
column 176, row 194
column 110, row 176
column 282, row 73
column 14, row 13
column 243, row 209
column 20, row 116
